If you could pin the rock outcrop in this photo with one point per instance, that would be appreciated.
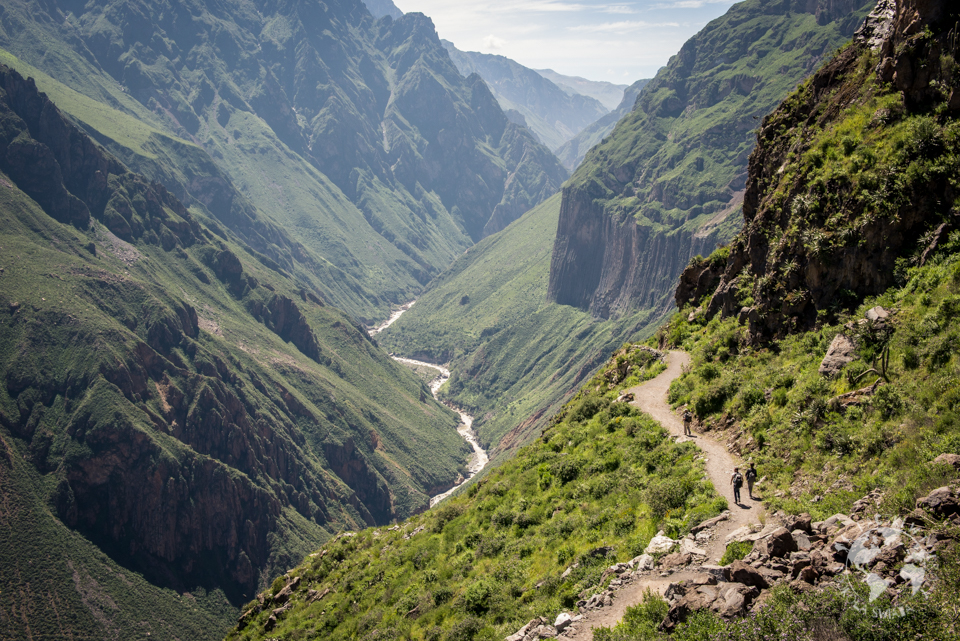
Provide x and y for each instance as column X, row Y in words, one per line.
column 813, row 246
column 657, row 192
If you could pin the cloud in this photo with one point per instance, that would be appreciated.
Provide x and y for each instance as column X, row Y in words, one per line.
column 623, row 26
column 493, row 42
column 690, row 4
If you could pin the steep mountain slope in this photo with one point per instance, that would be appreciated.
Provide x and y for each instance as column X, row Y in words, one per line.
column 868, row 172
column 668, row 182
column 358, row 136
column 174, row 408
column 607, row 93
column 515, row 357
column 551, row 113
column 540, row 534
column 482, row 564
column 572, row 153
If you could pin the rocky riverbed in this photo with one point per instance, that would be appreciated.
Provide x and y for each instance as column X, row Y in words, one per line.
column 479, row 458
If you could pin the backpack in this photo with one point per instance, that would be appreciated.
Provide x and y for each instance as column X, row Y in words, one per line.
column 751, row 475
column 737, row 480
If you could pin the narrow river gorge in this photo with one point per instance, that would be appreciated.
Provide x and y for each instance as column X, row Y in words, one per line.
column 479, row 459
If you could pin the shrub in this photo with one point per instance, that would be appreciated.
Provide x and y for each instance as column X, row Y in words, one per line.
column 887, row 401
column 566, row 469
column 709, row 400
column 910, row 358
column 465, row 630
column 668, row 494
column 476, row 598
column 736, row 551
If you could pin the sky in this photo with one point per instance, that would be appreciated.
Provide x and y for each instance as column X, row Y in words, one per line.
column 619, row 42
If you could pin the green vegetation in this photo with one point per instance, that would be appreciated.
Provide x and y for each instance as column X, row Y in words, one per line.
column 333, row 172
column 593, row 490
column 736, row 551
column 180, row 419
column 707, row 98
column 515, row 357
column 791, row 420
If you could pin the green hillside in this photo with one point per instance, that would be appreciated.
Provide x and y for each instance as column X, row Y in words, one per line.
column 515, row 357
column 592, row 491
column 844, row 410
column 181, row 419
column 359, row 158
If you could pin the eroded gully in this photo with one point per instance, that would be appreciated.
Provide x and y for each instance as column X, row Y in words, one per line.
column 479, row 459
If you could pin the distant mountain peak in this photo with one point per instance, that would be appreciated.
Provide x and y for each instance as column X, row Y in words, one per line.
column 381, row 8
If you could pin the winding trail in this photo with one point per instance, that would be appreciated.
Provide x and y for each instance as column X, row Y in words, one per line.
column 651, row 397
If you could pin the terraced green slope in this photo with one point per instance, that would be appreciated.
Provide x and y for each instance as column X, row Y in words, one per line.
column 515, row 357
column 177, row 413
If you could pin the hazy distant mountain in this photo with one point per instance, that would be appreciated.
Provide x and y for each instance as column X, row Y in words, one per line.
column 381, row 8
column 572, row 152
column 553, row 114
column 606, row 92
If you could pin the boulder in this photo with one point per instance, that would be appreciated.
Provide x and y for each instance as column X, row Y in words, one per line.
column 709, row 523
column 942, row 502
column 734, row 600
column 799, row 522
column 563, row 621
column 660, row 544
column 779, row 543
column 676, row 560
column 838, row 520
column 689, row 546
column 952, row 460
column 642, row 563
column 841, row 352
column 803, row 541
column 878, row 314
column 740, row 572
column 808, row 575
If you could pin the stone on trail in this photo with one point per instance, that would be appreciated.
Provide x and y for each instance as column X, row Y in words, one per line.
column 642, row 563
column 659, row 544
column 740, row 572
column 780, row 543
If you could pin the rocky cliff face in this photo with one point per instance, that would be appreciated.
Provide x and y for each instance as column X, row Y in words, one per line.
column 667, row 184
column 850, row 175
column 357, row 133
column 182, row 404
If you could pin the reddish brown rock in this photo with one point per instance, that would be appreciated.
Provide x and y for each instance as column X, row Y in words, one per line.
column 740, row 572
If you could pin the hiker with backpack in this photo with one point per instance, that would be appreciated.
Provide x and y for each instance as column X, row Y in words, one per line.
column 751, row 479
column 687, row 419
column 737, row 481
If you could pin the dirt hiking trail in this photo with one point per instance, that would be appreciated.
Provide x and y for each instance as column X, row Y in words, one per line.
column 651, row 397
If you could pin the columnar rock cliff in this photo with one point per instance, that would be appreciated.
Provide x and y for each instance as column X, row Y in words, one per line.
column 667, row 184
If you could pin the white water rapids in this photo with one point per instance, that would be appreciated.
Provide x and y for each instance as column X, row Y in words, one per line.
column 479, row 459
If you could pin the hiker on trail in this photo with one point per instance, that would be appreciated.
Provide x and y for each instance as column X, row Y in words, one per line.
column 737, row 481
column 687, row 419
column 751, row 479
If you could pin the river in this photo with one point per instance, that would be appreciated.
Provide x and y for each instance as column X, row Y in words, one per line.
column 479, row 459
